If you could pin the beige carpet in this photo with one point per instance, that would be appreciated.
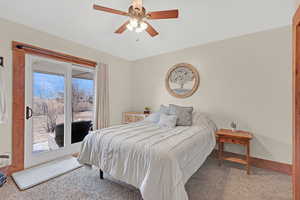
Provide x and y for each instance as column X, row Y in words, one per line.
column 210, row 182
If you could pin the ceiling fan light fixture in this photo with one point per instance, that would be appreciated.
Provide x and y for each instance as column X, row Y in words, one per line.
column 136, row 25
column 134, row 22
column 142, row 26
column 138, row 30
column 129, row 27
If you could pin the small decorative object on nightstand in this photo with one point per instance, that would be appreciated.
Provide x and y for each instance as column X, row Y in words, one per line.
column 234, row 137
column 147, row 110
column 130, row 117
column 233, row 126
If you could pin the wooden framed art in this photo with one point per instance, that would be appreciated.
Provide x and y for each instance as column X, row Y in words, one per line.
column 182, row 80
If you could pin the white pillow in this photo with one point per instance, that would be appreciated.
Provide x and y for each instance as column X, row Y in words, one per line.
column 167, row 121
column 153, row 117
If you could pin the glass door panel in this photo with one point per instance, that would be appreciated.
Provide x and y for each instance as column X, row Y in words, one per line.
column 46, row 98
column 48, row 111
column 82, row 103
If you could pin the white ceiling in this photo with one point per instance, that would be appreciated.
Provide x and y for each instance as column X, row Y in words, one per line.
column 200, row 21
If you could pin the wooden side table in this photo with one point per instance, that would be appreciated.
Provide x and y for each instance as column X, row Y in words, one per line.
column 234, row 137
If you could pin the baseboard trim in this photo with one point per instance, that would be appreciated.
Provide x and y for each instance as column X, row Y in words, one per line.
column 256, row 162
column 264, row 164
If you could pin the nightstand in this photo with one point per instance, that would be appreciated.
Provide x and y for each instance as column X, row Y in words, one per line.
column 234, row 137
column 130, row 117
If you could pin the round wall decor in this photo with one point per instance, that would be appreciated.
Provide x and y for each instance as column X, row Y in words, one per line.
column 182, row 80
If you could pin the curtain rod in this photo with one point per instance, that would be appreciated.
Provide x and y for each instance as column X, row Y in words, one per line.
column 40, row 50
column 52, row 53
column 28, row 47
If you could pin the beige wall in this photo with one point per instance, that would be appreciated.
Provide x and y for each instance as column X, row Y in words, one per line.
column 120, row 70
column 247, row 79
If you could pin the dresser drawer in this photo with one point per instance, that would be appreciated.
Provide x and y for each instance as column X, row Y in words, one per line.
column 232, row 140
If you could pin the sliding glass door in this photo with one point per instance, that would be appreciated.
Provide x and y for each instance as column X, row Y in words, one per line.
column 59, row 108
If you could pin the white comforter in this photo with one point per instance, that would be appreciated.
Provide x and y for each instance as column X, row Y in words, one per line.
column 157, row 161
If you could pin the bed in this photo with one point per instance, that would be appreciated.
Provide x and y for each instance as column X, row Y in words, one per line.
column 158, row 161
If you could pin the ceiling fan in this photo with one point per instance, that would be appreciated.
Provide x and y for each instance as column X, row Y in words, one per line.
column 137, row 17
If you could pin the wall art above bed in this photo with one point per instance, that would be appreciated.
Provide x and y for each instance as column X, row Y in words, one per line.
column 182, row 80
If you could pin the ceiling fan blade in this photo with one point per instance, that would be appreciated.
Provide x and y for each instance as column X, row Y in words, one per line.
column 122, row 28
column 151, row 30
column 110, row 10
column 166, row 14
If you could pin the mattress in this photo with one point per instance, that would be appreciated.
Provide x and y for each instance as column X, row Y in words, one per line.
column 158, row 161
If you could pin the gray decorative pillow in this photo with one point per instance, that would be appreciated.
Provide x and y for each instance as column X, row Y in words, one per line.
column 184, row 114
column 164, row 109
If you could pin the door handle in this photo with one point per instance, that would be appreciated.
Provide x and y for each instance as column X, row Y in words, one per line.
column 28, row 112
